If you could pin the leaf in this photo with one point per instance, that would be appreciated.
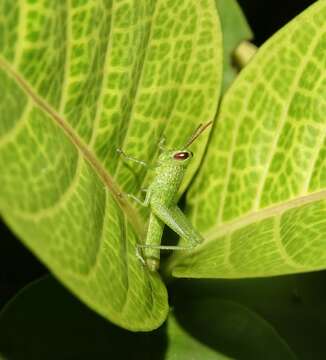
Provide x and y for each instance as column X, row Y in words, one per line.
column 28, row 330
column 294, row 305
column 259, row 197
column 184, row 346
column 232, row 329
column 70, row 330
column 234, row 29
column 79, row 81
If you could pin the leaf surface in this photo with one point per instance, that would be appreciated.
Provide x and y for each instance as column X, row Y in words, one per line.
column 259, row 198
column 29, row 330
column 69, row 330
column 293, row 305
column 232, row 329
column 183, row 345
column 81, row 79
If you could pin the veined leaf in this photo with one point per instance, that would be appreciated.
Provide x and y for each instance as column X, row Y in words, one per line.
column 260, row 198
column 78, row 80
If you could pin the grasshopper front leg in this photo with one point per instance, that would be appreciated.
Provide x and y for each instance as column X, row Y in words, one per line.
column 144, row 203
column 130, row 158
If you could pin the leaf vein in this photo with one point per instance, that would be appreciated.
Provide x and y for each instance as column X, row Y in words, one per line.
column 313, row 162
column 278, row 241
column 106, row 178
column 67, row 59
column 137, row 82
column 282, row 122
column 103, row 79
column 255, row 216
column 14, row 131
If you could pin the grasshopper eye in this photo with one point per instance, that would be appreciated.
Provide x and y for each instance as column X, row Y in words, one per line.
column 182, row 155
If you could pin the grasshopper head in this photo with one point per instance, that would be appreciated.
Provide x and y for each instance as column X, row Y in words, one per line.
column 181, row 157
column 176, row 157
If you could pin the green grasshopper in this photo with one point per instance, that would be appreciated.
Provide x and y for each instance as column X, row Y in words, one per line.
column 161, row 196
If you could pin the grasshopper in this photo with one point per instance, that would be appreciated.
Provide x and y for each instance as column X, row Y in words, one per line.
column 161, row 197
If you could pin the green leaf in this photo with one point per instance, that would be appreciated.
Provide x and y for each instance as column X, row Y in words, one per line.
column 232, row 329
column 234, row 29
column 259, row 198
column 28, row 330
column 81, row 79
column 183, row 346
column 294, row 305
column 44, row 321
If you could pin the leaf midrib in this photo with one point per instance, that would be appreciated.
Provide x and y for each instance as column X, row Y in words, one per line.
column 220, row 230
column 263, row 214
column 81, row 146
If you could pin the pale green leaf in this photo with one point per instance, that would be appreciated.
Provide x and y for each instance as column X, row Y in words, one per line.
column 259, row 198
column 80, row 79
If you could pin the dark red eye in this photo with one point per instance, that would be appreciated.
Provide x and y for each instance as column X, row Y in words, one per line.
column 182, row 155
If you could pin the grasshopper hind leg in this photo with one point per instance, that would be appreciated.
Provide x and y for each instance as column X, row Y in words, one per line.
column 149, row 252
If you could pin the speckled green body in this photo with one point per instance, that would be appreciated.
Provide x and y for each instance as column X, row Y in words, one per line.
column 162, row 199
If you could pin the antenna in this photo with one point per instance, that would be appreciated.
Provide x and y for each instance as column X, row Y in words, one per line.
column 200, row 129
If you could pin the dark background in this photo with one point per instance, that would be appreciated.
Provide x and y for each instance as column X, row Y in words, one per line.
column 265, row 17
column 17, row 265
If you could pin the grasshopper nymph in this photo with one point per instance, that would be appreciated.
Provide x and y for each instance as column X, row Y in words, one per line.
column 161, row 197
